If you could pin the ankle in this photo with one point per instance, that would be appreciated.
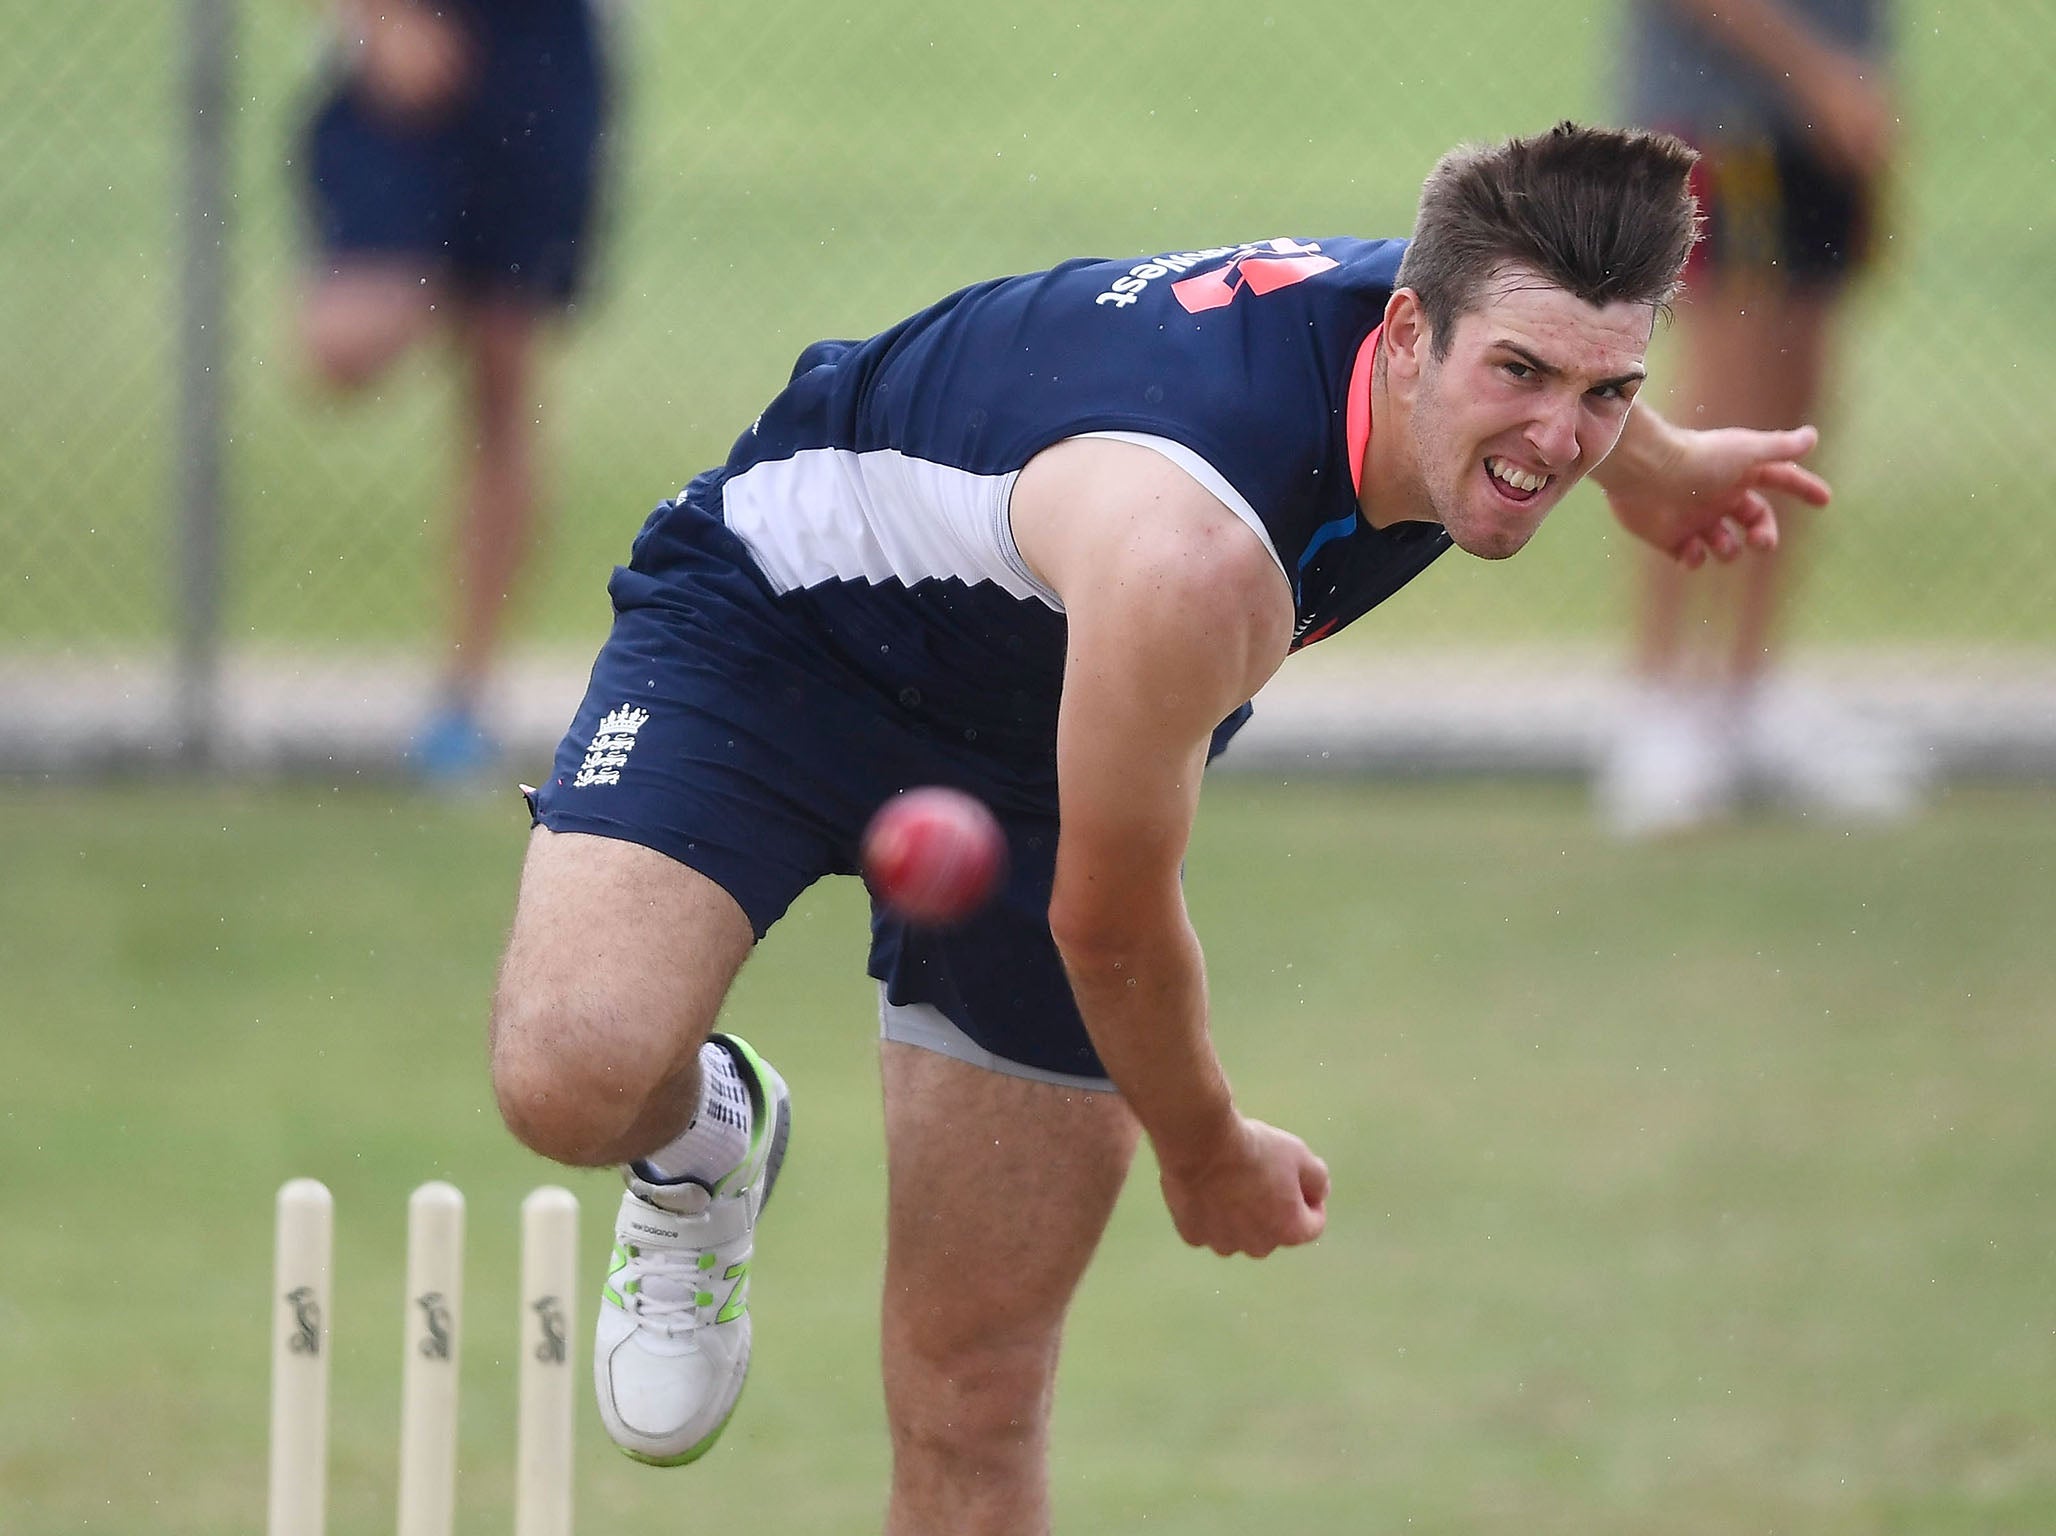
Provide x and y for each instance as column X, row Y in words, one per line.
column 717, row 1137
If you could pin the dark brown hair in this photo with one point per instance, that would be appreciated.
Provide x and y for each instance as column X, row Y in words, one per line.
column 1606, row 214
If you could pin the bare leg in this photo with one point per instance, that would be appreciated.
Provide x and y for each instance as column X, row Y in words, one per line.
column 1799, row 748
column 1791, row 393
column 1000, row 1190
column 1753, row 353
column 1754, row 357
column 498, row 339
column 358, row 317
column 618, row 964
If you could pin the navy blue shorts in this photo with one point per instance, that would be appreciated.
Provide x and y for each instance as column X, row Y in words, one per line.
column 713, row 730
column 498, row 195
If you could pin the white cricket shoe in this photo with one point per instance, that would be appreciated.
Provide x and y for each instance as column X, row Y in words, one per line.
column 673, row 1342
column 1809, row 752
column 1672, row 764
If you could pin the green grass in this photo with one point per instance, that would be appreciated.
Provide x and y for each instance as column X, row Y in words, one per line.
column 1683, row 1190
column 771, row 193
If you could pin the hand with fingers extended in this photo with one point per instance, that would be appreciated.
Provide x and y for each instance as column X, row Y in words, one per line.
column 1256, row 1189
column 1695, row 494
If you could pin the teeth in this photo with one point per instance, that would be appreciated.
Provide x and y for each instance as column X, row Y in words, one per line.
column 1519, row 479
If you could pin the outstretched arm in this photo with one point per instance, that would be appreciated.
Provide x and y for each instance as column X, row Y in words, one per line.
column 1693, row 493
column 1176, row 614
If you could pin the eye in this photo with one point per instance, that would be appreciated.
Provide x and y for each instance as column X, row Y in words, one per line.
column 1518, row 370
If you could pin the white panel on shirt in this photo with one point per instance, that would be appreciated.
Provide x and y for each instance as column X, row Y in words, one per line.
column 833, row 514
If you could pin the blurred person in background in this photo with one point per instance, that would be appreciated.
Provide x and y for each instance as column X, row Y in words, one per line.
column 451, row 162
column 1790, row 105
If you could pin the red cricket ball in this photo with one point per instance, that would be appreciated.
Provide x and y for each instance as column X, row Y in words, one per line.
column 933, row 855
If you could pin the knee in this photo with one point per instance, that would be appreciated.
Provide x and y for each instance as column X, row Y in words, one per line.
column 341, row 356
column 973, row 1411
column 352, row 330
column 562, row 1088
column 614, row 974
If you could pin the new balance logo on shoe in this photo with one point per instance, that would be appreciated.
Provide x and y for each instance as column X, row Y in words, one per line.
column 738, row 1294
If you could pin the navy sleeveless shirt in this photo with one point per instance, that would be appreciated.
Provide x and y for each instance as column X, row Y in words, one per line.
column 870, row 497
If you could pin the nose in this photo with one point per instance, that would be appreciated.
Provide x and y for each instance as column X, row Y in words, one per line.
column 1553, row 433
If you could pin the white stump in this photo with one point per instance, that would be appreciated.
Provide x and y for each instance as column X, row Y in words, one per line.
column 304, row 1247
column 549, row 1308
column 430, row 1328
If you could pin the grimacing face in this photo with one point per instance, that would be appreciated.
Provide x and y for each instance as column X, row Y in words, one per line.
column 1531, row 393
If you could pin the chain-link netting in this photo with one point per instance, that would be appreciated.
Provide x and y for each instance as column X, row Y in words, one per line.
column 781, row 172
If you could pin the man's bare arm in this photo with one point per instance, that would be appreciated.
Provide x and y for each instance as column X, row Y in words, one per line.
column 1177, row 614
column 1694, row 493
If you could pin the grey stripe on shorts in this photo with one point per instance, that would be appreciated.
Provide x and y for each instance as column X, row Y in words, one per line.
column 919, row 1024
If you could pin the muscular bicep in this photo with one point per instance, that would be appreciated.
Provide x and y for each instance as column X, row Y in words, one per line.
column 1177, row 614
column 1131, row 746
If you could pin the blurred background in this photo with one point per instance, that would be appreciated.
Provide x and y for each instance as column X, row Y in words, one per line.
column 1689, row 1186
column 204, row 549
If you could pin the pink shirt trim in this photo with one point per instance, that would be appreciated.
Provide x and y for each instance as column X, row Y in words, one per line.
column 1359, row 418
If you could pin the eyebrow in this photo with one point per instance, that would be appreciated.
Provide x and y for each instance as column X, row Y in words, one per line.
column 1551, row 371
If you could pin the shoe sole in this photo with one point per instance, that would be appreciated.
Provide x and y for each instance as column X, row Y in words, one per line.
column 683, row 1458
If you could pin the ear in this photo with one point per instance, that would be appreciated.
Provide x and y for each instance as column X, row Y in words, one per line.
column 1405, row 342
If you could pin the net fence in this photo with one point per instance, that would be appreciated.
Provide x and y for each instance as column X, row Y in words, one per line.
column 787, row 171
